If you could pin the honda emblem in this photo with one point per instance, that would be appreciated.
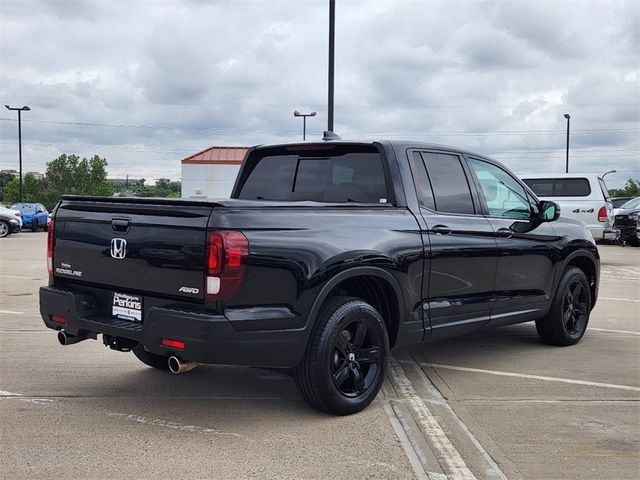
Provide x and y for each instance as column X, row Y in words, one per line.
column 118, row 248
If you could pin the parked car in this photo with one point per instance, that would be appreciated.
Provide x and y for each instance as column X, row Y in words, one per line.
column 631, row 203
column 617, row 202
column 10, row 221
column 325, row 257
column 34, row 215
column 627, row 222
column 584, row 197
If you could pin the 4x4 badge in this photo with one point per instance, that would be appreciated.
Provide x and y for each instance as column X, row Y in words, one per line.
column 118, row 248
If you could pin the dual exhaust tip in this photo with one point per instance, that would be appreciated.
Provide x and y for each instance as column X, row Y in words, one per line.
column 176, row 364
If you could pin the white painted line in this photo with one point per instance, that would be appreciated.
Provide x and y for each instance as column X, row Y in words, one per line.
column 176, row 426
column 409, row 450
column 11, row 312
column 20, row 278
column 617, row 299
column 452, row 462
column 627, row 332
column 8, row 394
column 534, row 377
column 636, row 272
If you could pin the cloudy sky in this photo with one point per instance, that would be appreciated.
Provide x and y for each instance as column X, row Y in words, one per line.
column 145, row 83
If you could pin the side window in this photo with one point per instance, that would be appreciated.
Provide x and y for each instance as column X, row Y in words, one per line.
column 421, row 181
column 450, row 186
column 504, row 195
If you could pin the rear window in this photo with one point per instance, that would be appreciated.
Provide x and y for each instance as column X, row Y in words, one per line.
column 24, row 208
column 327, row 174
column 559, row 187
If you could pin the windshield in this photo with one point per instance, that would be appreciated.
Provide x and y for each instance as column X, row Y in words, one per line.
column 633, row 203
column 24, row 208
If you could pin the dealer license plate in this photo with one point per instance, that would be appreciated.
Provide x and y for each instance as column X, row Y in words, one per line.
column 127, row 307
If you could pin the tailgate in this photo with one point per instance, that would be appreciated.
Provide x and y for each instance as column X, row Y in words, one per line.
column 132, row 245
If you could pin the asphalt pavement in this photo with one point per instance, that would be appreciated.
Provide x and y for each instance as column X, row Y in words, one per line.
column 498, row 404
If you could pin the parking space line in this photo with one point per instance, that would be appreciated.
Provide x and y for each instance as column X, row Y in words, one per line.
column 451, row 459
column 615, row 299
column 11, row 312
column 534, row 377
column 629, row 332
column 635, row 272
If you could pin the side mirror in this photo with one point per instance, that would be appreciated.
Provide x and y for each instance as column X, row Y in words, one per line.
column 40, row 210
column 549, row 211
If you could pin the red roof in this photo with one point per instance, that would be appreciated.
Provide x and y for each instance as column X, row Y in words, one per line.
column 218, row 156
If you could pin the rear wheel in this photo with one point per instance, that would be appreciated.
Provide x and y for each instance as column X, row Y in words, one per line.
column 566, row 322
column 151, row 359
column 34, row 226
column 344, row 365
column 4, row 229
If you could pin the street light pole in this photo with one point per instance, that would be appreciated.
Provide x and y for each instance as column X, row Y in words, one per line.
column 332, row 38
column 19, row 110
column 568, row 117
column 304, row 121
column 607, row 173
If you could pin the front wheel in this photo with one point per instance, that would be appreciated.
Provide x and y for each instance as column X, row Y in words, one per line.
column 566, row 322
column 346, row 358
column 34, row 226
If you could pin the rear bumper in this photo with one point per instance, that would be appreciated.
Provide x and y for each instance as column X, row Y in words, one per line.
column 606, row 234
column 208, row 338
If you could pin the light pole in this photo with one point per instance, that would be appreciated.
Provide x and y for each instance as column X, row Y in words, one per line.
column 607, row 173
column 304, row 116
column 332, row 41
column 19, row 110
column 568, row 117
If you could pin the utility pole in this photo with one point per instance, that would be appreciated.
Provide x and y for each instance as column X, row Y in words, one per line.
column 19, row 110
column 332, row 38
column 568, row 117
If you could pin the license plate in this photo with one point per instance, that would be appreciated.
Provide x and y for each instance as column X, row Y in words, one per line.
column 127, row 307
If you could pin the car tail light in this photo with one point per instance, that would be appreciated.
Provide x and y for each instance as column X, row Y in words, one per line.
column 50, row 243
column 167, row 342
column 59, row 319
column 602, row 214
column 17, row 214
column 226, row 269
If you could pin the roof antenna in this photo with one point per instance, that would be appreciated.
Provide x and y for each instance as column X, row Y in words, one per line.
column 329, row 136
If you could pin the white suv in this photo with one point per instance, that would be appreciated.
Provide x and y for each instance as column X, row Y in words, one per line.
column 581, row 196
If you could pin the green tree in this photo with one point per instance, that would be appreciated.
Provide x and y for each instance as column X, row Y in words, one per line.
column 631, row 189
column 33, row 190
column 70, row 175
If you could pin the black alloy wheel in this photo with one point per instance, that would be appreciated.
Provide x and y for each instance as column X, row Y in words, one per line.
column 355, row 359
column 346, row 358
column 574, row 308
column 568, row 316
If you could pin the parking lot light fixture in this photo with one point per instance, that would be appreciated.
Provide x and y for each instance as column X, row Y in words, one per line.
column 568, row 117
column 607, row 173
column 304, row 116
column 19, row 110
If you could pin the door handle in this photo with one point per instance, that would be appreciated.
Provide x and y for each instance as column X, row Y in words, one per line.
column 504, row 232
column 441, row 230
column 120, row 225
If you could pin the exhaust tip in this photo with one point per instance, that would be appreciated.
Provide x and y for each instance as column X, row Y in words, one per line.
column 62, row 337
column 174, row 364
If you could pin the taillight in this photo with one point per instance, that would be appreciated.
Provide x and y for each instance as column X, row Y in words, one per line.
column 17, row 214
column 602, row 214
column 226, row 268
column 50, row 242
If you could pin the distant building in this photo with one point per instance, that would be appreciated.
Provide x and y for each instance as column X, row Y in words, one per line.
column 36, row 175
column 126, row 182
column 10, row 172
column 212, row 172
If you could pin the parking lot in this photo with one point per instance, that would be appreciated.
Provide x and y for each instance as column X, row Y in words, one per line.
column 498, row 404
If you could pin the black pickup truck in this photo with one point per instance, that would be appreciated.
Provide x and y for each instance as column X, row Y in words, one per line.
column 325, row 257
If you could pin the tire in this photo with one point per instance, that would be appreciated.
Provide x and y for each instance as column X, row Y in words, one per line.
column 34, row 226
column 5, row 229
column 568, row 317
column 46, row 227
column 346, row 358
column 151, row 359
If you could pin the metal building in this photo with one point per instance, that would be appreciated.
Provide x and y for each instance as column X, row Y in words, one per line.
column 211, row 172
